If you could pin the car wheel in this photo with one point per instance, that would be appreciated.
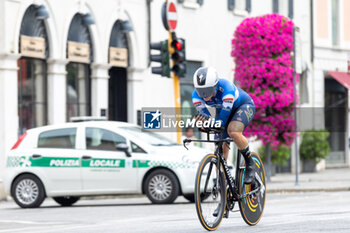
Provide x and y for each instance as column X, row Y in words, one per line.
column 189, row 197
column 28, row 191
column 66, row 201
column 162, row 187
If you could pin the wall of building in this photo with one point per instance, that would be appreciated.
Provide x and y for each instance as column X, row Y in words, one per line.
column 208, row 30
column 57, row 26
column 330, row 56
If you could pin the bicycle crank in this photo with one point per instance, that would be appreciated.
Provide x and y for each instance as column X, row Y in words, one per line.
column 260, row 189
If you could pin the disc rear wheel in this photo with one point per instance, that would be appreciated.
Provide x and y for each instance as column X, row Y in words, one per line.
column 252, row 207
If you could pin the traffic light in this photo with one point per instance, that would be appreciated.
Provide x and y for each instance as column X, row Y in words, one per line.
column 163, row 58
column 178, row 56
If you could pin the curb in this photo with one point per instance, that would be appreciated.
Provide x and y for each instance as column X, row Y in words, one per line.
column 302, row 190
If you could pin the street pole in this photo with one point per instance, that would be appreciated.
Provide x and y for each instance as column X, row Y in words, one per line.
column 170, row 25
column 177, row 106
column 176, row 92
column 295, row 109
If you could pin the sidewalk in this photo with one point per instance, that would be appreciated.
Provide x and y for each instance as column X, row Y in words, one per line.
column 329, row 180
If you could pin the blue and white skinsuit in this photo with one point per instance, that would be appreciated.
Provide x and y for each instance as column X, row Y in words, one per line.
column 231, row 103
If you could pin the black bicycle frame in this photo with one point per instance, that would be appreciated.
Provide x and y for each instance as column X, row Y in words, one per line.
column 233, row 182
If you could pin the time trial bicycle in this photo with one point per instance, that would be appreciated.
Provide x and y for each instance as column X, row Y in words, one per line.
column 217, row 191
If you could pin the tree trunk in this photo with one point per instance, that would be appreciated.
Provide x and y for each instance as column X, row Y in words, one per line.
column 268, row 162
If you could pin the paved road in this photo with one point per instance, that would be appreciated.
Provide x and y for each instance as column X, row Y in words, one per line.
column 298, row 212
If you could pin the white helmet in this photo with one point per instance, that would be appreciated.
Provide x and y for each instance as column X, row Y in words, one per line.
column 205, row 80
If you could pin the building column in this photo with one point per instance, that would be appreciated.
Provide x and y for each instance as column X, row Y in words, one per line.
column 56, row 94
column 99, row 88
column 9, row 108
column 135, row 93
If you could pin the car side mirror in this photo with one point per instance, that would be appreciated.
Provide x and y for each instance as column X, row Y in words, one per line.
column 123, row 147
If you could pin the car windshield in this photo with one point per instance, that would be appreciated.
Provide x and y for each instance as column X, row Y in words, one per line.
column 149, row 137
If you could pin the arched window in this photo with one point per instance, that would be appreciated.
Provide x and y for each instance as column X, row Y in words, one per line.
column 80, row 55
column 32, row 78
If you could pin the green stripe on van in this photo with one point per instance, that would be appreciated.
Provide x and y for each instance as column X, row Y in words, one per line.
column 54, row 162
column 28, row 161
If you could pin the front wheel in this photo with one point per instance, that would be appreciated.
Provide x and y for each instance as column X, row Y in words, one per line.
column 210, row 192
column 252, row 207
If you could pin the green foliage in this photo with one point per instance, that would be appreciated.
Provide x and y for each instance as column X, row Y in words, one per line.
column 279, row 155
column 314, row 145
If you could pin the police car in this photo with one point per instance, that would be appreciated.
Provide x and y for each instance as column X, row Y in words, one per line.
column 78, row 159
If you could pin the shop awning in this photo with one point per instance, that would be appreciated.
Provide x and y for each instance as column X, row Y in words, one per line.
column 342, row 77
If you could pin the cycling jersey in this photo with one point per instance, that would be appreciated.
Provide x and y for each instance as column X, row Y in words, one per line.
column 228, row 98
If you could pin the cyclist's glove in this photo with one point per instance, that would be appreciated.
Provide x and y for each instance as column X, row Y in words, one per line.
column 205, row 116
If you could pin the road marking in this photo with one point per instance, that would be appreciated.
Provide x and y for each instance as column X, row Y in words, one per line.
column 60, row 228
column 29, row 222
column 57, row 226
column 26, row 228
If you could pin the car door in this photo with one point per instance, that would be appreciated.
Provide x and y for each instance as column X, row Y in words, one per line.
column 57, row 159
column 104, row 169
column 141, row 162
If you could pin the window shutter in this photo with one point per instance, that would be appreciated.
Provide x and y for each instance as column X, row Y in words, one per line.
column 231, row 4
column 275, row 6
column 290, row 9
column 248, row 5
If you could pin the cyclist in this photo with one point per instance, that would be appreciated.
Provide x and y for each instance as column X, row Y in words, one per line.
column 235, row 109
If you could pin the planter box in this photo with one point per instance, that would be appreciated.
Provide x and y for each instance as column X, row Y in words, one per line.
column 309, row 165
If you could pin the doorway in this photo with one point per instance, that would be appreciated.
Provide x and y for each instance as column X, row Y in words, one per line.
column 117, row 95
column 335, row 120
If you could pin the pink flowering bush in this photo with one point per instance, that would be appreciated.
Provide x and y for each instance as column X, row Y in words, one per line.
column 262, row 49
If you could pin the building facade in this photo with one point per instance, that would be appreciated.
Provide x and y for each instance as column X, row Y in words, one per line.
column 331, row 75
column 60, row 59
